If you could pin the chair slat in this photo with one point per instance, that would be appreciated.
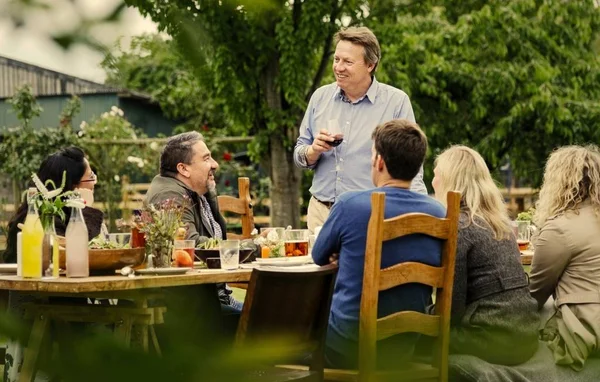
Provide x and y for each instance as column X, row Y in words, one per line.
column 408, row 322
column 230, row 204
column 411, row 272
column 241, row 206
column 408, row 224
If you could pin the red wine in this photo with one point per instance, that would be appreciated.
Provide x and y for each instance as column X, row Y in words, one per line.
column 336, row 143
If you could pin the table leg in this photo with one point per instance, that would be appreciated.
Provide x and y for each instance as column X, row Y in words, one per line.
column 32, row 352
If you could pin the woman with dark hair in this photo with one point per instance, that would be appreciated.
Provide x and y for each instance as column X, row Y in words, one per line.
column 79, row 177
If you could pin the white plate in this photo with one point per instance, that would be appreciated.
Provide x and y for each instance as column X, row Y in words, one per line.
column 284, row 261
column 162, row 271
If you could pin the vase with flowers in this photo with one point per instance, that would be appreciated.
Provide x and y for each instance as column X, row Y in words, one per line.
column 50, row 204
column 160, row 223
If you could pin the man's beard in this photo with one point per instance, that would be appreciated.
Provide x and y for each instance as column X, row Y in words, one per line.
column 211, row 184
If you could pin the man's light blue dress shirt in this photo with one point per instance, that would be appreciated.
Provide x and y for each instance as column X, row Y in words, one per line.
column 352, row 169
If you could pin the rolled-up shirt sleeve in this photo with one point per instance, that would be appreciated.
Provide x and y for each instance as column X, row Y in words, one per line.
column 305, row 137
column 551, row 257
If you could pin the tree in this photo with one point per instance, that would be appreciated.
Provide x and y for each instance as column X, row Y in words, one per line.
column 265, row 58
column 23, row 148
column 153, row 65
column 512, row 79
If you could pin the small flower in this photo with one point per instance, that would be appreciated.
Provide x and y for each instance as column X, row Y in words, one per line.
column 80, row 133
column 75, row 202
column 83, row 125
column 205, row 127
column 154, row 146
column 227, row 156
column 227, row 182
column 117, row 178
column 104, row 115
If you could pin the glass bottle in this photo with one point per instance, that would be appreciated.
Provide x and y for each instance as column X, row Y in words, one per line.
column 76, row 238
column 32, row 236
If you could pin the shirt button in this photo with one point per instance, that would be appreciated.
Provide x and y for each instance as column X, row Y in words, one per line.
column 338, row 179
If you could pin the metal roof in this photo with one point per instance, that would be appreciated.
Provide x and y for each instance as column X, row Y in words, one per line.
column 46, row 82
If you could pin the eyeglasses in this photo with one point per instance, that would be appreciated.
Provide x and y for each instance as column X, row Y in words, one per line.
column 92, row 178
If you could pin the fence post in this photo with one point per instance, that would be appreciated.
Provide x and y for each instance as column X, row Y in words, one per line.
column 125, row 211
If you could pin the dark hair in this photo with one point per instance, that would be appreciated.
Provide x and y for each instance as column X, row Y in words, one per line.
column 178, row 150
column 69, row 161
column 364, row 37
column 402, row 145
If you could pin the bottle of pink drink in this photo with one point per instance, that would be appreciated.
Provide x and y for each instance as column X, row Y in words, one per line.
column 77, row 245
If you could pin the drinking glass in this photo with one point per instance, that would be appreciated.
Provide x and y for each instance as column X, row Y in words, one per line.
column 183, row 253
column 311, row 242
column 333, row 126
column 296, row 242
column 278, row 230
column 523, row 234
column 229, row 252
column 121, row 239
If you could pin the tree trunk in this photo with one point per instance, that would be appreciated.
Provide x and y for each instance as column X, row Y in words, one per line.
column 285, row 186
column 285, row 176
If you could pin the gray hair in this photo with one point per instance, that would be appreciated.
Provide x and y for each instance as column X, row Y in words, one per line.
column 178, row 150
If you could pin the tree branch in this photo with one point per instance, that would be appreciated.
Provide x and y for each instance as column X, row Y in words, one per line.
column 326, row 48
column 296, row 14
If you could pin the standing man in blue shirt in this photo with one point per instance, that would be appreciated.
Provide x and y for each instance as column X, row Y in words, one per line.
column 353, row 106
column 398, row 151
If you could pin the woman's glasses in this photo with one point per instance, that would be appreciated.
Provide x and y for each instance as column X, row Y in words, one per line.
column 92, row 178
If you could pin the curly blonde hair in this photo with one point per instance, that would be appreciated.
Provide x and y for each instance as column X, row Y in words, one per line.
column 572, row 175
column 460, row 168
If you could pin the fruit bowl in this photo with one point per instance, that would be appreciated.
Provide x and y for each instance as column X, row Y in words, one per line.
column 109, row 259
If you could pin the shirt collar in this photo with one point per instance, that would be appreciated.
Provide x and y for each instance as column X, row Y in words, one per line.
column 371, row 94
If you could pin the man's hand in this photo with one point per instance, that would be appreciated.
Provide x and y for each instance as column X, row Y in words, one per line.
column 333, row 259
column 320, row 145
column 322, row 142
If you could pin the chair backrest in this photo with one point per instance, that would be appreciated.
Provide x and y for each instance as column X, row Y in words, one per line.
column 241, row 206
column 289, row 305
column 375, row 280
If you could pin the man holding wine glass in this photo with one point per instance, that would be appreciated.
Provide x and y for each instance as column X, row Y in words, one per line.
column 335, row 134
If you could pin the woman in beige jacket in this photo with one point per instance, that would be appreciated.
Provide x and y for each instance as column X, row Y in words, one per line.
column 566, row 263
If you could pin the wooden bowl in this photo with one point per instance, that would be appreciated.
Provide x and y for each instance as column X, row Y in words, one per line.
column 110, row 259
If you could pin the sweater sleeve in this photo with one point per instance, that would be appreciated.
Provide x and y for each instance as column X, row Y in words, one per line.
column 550, row 259
column 459, row 289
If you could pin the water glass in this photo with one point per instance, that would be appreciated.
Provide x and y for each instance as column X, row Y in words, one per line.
column 229, row 252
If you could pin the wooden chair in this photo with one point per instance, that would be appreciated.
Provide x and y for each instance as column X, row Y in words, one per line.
column 292, row 306
column 375, row 280
column 240, row 206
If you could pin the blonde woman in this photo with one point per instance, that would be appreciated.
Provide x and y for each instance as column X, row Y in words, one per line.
column 494, row 316
column 566, row 262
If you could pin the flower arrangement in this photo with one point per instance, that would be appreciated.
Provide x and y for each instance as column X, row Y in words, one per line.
column 271, row 243
column 51, row 203
column 160, row 223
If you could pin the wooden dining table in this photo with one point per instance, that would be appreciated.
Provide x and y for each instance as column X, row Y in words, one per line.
column 138, row 289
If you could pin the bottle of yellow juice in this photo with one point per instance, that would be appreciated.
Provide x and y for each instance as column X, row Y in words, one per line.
column 32, row 236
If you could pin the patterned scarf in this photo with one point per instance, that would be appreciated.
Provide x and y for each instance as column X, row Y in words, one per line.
column 207, row 214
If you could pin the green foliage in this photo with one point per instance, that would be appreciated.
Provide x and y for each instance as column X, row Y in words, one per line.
column 72, row 108
column 512, row 79
column 22, row 148
column 25, row 106
column 113, row 160
column 153, row 65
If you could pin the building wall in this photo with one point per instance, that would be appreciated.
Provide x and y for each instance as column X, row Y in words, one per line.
column 140, row 112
